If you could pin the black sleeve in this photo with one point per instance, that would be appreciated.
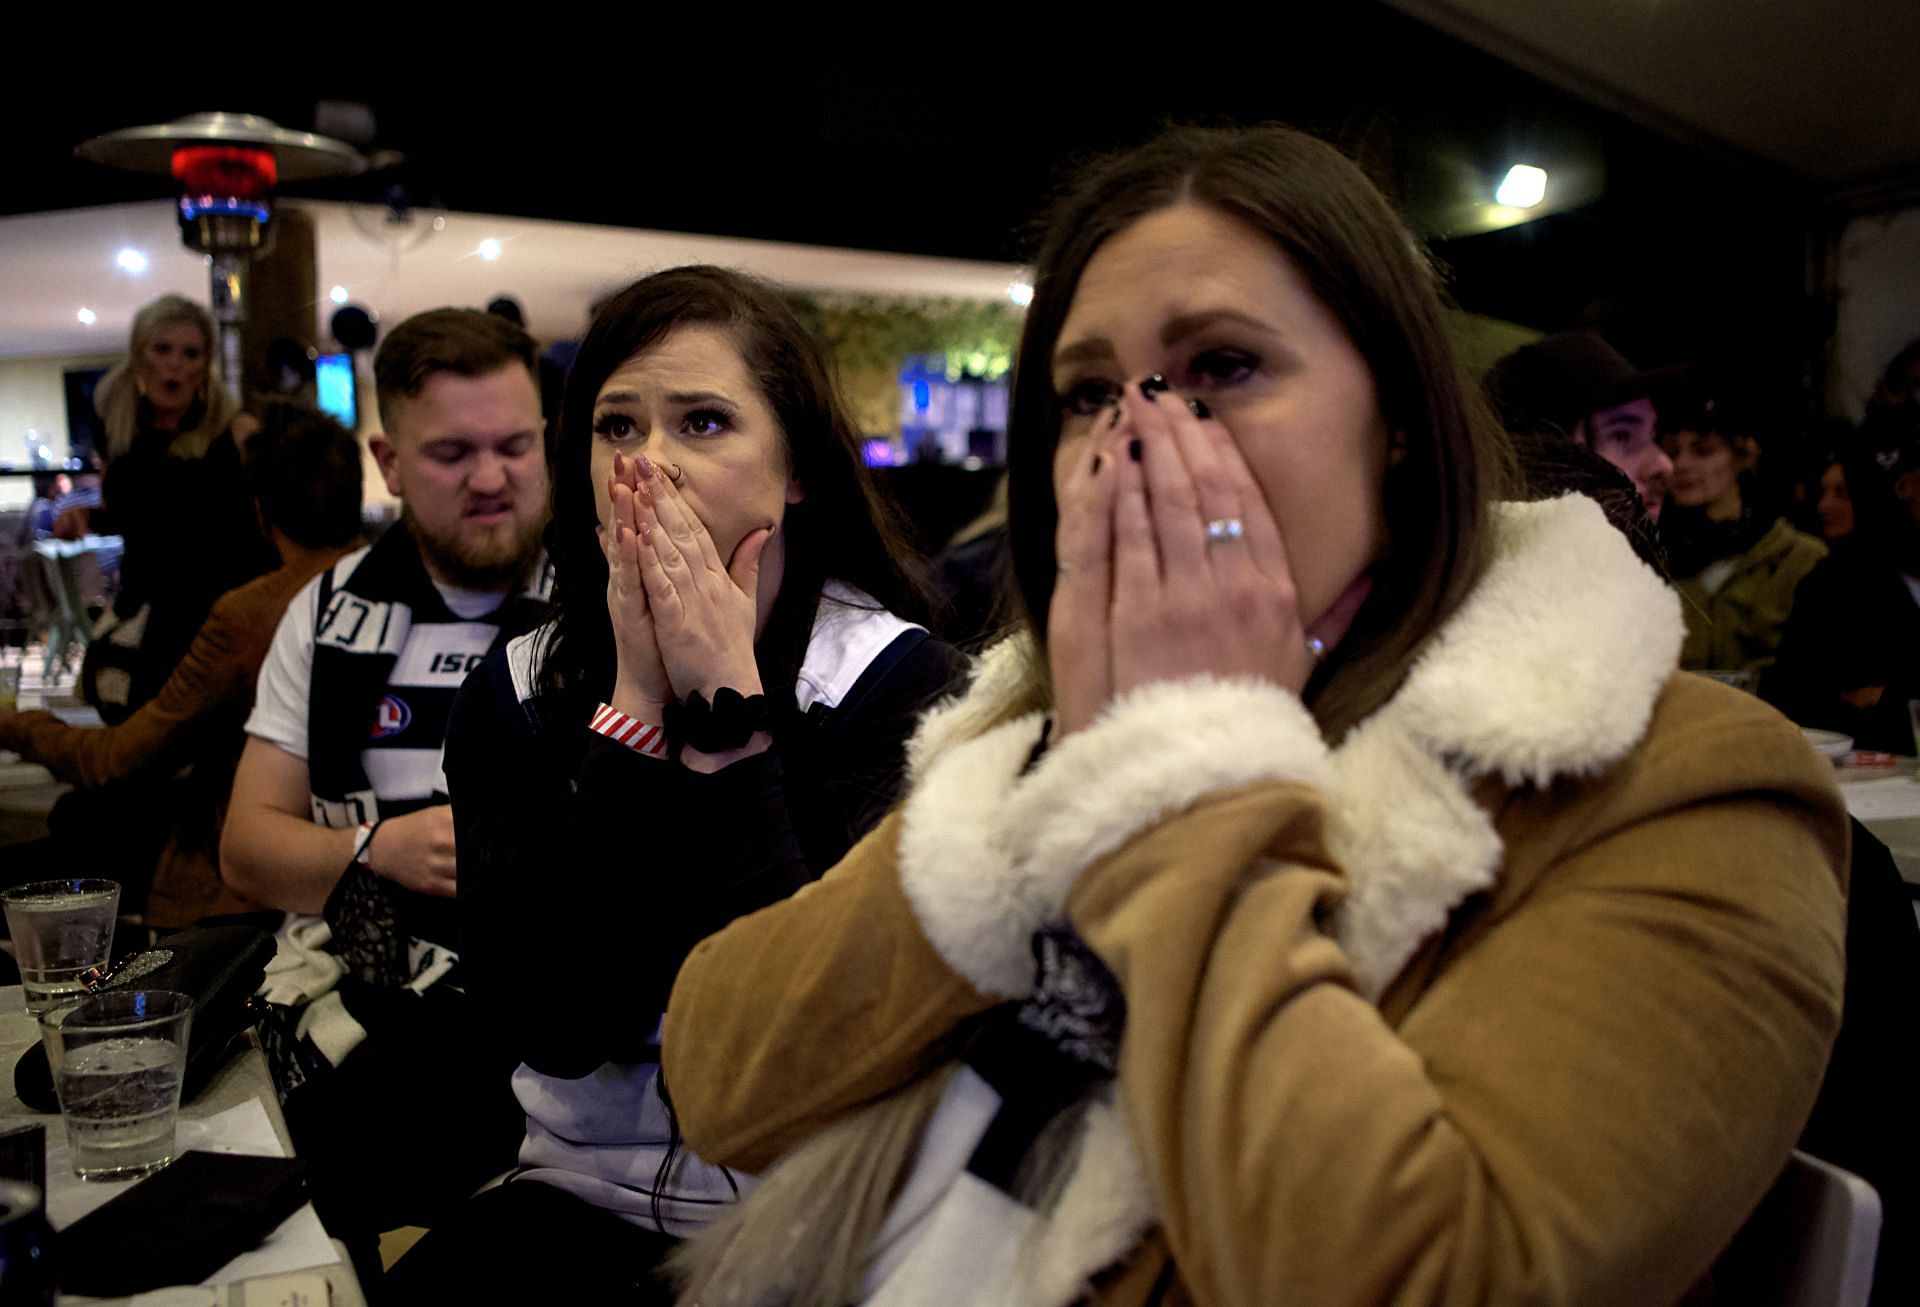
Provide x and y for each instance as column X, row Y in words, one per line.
column 864, row 760
column 1835, row 641
column 588, row 872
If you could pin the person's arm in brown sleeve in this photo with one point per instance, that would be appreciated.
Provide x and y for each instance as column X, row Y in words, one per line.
column 1581, row 1107
column 218, row 671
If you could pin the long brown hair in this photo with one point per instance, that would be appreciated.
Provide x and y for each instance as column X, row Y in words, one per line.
column 1320, row 211
column 804, row 1238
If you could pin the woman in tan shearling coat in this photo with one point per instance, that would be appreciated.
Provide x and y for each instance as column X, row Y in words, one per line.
column 1337, row 897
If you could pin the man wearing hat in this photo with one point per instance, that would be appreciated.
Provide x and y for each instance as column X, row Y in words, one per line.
column 1575, row 386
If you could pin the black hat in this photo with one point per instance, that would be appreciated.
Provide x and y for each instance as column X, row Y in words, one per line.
column 1559, row 380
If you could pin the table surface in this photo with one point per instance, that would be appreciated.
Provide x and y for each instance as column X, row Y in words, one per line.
column 1887, row 802
column 243, row 1078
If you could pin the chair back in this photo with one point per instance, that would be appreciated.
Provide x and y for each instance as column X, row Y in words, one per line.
column 1811, row 1242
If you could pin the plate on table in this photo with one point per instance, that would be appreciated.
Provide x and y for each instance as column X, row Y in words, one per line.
column 1830, row 744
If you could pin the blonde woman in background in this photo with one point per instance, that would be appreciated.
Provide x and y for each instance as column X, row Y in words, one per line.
column 175, row 491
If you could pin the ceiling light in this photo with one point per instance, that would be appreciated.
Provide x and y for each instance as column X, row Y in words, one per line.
column 131, row 260
column 87, row 318
column 339, row 295
column 1021, row 293
column 1524, row 187
column 489, row 250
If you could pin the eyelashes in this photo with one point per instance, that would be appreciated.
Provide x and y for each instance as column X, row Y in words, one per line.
column 1089, row 397
column 1210, row 369
column 613, row 426
column 706, row 421
column 697, row 423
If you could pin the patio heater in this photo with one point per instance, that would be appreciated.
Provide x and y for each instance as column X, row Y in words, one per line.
column 224, row 168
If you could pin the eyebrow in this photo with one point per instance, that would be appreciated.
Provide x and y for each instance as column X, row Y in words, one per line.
column 1099, row 348
column 462, row 438
column 678, row 398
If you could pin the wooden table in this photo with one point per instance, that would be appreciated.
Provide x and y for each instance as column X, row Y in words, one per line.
column 244, row 1078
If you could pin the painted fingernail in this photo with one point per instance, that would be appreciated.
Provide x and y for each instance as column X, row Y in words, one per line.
column 1118, row 413
column 1133, row 449
column 1099, row 461
column 645, row 467
column 1199, row 410
column 1153, row 386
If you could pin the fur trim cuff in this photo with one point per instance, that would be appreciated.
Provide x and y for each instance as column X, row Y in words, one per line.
column 954, row 865
column 1149, row 755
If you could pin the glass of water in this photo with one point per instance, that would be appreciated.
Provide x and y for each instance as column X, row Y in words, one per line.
column 117, row 1061
column 61, row 930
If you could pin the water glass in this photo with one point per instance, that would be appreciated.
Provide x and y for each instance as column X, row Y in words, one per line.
column 61, row 930
column 117, row 1060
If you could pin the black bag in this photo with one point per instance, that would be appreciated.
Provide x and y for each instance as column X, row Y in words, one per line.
column 219, row 967
column 181, row 1225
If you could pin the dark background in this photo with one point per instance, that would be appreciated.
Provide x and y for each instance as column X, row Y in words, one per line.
column 947, row 142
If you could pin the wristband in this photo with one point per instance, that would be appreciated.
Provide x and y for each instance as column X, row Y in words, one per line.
column 727, row 723
column 363, row 842
column 630, row 731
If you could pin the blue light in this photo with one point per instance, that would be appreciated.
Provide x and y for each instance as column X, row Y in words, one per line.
column 223, row 206
column 334, row 386
column 922, row 396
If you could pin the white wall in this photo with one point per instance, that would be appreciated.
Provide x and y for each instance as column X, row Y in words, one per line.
column 33, row 399
column 1879, row 305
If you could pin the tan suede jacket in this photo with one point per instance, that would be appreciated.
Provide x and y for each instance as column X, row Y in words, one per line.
column 1521, row 995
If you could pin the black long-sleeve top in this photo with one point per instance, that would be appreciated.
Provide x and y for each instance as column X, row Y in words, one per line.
column 588, row 871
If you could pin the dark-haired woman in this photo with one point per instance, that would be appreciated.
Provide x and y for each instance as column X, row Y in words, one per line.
column 719, row 711
column 1849, row 657
column 1336, row 898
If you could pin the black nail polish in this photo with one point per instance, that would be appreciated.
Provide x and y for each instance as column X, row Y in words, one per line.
column 1154, row 386
column 1199, row 409
column 1133, row 449
column 1118, row 413
column 1098, row 463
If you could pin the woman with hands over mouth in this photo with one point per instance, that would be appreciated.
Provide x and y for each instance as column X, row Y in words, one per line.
column 719, row 711
column 1334, row 896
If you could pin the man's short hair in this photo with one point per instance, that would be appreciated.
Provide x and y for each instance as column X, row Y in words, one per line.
column 304, row 469
column 465, row 342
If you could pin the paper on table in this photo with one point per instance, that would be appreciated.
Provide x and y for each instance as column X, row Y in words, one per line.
column 1882, row 800
column 299, row 1242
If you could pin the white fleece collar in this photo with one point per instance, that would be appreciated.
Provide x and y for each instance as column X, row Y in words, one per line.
column 1550, row 668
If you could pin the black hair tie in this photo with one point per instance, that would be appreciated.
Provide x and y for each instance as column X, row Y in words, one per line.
column 726, row 723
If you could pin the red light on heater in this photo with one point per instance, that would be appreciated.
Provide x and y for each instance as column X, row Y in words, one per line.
column 225, row 170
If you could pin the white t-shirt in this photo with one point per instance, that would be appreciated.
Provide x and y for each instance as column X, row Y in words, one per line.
column 434, row 661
